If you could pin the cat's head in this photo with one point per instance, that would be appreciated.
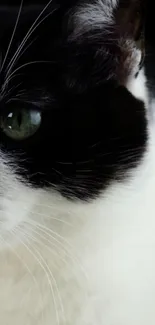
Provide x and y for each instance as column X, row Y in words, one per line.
column 72, row 92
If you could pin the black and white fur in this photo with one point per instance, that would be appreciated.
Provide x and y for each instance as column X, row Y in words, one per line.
column 77, row 205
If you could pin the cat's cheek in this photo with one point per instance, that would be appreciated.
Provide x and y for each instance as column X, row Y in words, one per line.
column 16, row 198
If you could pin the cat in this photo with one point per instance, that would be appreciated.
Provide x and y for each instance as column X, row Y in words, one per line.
column 77, row 164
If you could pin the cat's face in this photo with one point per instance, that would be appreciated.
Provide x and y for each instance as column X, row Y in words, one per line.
column 68, row 121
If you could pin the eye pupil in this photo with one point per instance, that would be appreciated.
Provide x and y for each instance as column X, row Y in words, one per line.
column 19, row 119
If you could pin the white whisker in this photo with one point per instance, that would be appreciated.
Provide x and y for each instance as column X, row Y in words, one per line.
column 28, row 270
column 27, row 36
column 69, row 250
column 53, row 251
column 44, row 266
column 13, row 88
column 21, row 67
column 20, row 55
column 12, row 37
column 36, row 240
column 3, row 90
column 52, row 218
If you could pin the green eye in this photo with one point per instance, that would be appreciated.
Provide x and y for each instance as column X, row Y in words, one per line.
column 20, row 124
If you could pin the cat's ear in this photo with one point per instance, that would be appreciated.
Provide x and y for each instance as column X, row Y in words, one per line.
column 130, row 24
column 130, row 17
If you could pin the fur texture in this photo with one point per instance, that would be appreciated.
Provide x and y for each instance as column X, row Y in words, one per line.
column 77, row 199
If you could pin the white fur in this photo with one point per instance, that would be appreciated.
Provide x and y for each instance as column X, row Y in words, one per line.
column 137, row 86
column 89, row 16
column 79, row 263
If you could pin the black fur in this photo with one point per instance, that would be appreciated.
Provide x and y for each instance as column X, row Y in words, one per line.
column 93, row 130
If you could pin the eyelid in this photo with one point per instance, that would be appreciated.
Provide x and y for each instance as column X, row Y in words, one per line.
column 15, row 103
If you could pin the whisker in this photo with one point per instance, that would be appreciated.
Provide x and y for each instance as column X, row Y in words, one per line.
column 23, row 66
column 62, row 248
column 21, row 54
column 53, row 218
column 3, row 92
column 51, row 234
column 28, row 270
column 44, row 266
column 27, row 36
column 53, row 251
column 39, row 227
column 67, row 253
column 13, row 88
column 12, row 37
column 54, row 281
